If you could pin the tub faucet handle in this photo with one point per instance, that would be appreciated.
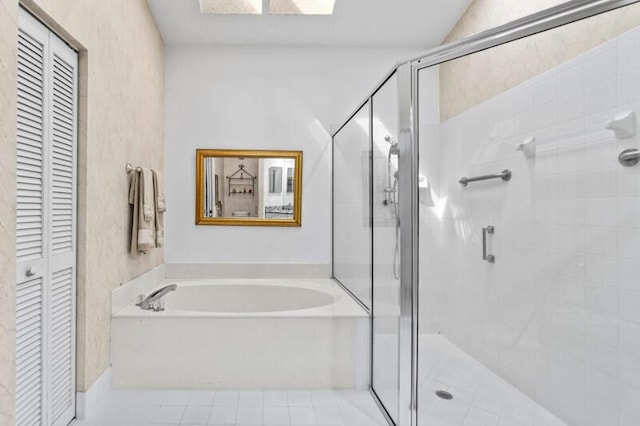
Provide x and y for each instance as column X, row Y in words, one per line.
column 158, row 306
column 139, row 300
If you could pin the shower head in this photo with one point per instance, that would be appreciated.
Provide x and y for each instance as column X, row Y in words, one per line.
column 394, row 150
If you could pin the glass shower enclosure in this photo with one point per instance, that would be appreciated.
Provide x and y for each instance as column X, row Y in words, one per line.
column 486, row 213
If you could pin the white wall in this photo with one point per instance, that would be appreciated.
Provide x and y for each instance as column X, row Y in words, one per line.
column 557, row 314
column 260, row 98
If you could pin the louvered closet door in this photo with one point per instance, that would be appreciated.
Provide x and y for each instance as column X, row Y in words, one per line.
column 61, row 243
column 45, row 245
column 31, row 244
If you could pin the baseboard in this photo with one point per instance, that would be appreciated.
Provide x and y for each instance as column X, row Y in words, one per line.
column 89, row 401
column 247, row 270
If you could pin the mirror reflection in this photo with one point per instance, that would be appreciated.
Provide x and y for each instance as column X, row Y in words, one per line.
column 248, row 187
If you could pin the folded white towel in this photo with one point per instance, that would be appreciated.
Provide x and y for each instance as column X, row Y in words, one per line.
column 158, row 189
column 148, row 195
column 160, row 208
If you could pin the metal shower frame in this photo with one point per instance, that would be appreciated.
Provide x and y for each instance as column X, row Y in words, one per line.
column 408, row 166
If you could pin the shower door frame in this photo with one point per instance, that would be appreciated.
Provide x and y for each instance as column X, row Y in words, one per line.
column 408, row 167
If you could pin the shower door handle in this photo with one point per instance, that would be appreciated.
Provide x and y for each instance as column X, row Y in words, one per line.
column 488, row 257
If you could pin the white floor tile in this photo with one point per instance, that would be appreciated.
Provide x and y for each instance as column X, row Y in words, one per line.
column 249, row 415
column 299, row 398
column 223, row 415
column 302, row 415
column 275, row 399
column 202, row 397
column 250, row 398
column 169, row 414
column 226, row 398
column 196, row 415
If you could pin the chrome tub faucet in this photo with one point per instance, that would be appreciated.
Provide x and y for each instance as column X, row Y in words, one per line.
column 154, row 301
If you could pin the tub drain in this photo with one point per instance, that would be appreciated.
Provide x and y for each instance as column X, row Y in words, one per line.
column 443, row 394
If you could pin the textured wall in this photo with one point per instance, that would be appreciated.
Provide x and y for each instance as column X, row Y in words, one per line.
column 121, row 120
column 218, row 98
column 8, row 34
column 469, row 81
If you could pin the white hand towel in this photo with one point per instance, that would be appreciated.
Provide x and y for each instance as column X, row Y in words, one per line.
column 158, row 189
column 160, row 208
column 148, row 196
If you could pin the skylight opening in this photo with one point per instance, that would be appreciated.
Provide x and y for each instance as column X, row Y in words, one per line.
column 301, row 7
column 231, row 7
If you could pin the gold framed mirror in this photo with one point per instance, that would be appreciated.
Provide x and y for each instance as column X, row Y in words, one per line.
column 248, row 188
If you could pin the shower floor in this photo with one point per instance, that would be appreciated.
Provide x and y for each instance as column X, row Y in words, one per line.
column 480, row 397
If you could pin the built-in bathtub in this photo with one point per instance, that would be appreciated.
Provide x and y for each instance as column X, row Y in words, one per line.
column 243, row 334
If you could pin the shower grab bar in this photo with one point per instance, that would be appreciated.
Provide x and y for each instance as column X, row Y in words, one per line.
column 505, row 175
column 629, row 157
column 488, row 257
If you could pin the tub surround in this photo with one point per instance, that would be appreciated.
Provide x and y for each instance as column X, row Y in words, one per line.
column 313, row 347
column 247, row 270
column 127, row 293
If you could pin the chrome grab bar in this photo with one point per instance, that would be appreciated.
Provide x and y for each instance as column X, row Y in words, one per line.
column 629, row 157
column 505, row 175
column 488, row 257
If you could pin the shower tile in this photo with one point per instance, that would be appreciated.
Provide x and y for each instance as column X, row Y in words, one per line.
column 629, row 87
column 600, row 66
column 628, row 48
column 628, row 274
column 600, row 97
column 570, row 80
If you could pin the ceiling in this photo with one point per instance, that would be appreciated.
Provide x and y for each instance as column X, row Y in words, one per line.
column 363, row 23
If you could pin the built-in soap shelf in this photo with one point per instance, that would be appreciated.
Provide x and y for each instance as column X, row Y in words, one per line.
column 623, row 125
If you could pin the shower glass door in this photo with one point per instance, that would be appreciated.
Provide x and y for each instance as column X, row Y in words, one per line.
column 528, row 284
column 386, row 248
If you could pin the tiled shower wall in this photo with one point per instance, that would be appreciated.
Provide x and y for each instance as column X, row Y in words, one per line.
column 558, row 314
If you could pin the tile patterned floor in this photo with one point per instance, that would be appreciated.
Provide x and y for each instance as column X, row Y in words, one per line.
column 235, row 408
column 481, row 398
